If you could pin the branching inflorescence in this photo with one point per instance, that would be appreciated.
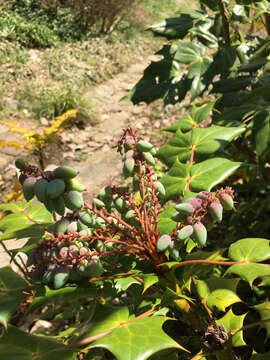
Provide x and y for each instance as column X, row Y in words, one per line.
column 86, row 242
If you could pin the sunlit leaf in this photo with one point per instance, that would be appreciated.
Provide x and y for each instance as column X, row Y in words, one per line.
column 233, row 322
column 249, row 272
column 218, row 293
column 250, row 250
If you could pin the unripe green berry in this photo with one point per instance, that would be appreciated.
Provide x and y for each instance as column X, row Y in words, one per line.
column 199, row 234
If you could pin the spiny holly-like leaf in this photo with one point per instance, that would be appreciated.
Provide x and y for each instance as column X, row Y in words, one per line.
column 16, row 344
column 61, row 296
column 170, row 295
column 123, row 284
column 106, row 318
column 218, row 293
column 264, row 311
column 249, row 272
column 161, row 79
column 149, row 280
column 202, row 176
column 166, row 225
column 11, row 293
column 140, row 339
column 203, row 141
column 233, row 322
column 250, row 250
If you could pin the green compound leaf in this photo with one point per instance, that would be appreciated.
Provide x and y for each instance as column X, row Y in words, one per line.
column 250, row 250
column 233, row 322
column 218, row 293
column 11, row 294
column 249, row 272
column 140, row 339
column 201, row 176
column 264, row 311
column 203, row 141
column 18, row 345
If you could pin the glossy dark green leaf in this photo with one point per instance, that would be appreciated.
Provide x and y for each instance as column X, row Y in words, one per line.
column 140, row 338
column 11, row 293
column 16, row 344
column 249, row 272
column 218, row 293
column 161, row 80
column 233, row 322
column 230, row 85
column 250, row 250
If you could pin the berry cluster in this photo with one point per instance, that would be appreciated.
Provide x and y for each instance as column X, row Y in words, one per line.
column 135, row 152
column 66, row 257
column 195, row 216
column 56, row 189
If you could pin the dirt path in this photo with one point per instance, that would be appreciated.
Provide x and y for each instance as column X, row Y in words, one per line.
column 90, row 150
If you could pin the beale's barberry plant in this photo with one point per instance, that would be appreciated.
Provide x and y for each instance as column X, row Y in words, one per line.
column 134, row 257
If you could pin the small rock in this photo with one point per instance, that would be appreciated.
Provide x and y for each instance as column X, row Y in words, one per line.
column 44, row 121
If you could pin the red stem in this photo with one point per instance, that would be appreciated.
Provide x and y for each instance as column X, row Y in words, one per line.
column 226, row 263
